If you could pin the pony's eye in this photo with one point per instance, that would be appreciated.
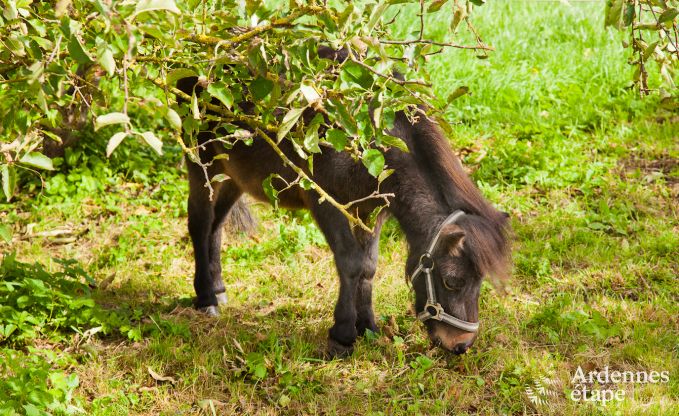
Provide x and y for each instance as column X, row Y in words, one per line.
column 450, row 282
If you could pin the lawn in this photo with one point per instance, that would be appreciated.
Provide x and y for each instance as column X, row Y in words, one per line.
column 551, row 134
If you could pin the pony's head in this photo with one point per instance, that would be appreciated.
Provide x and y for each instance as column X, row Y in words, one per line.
column 447, row 277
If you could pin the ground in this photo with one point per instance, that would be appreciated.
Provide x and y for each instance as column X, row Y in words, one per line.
column 587, row 169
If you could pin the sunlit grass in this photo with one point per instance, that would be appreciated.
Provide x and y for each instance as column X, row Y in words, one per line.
column 552, row 136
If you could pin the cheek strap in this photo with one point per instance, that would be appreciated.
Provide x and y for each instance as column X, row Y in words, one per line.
column 433, row 309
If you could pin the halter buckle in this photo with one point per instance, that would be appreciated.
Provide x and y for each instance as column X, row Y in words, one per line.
column 434, row 310
column 426, row 262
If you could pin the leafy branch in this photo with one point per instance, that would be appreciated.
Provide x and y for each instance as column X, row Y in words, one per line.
column 653, row 38
column 258, row 68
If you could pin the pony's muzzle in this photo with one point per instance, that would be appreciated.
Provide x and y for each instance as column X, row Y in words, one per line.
column 451, row 339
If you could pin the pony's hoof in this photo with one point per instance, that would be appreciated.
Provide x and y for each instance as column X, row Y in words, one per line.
column 210, row 310
column 222, row 299
column 337, row 350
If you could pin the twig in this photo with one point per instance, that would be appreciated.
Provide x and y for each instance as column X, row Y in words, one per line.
column 421, row 20
column 157, row 60
column 431, row 42
column 13, row 80
column 373, row 195
column 127, row 58
column 284, row 21
column 388, row 77
column 643, row 75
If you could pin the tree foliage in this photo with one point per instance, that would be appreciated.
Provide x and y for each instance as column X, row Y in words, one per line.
column 117, row 62
column 653, row 37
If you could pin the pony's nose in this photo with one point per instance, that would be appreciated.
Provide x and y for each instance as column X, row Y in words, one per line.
column 452, row 339
column 461, row 348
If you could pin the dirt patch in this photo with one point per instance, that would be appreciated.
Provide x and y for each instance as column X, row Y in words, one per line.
column 663, row 166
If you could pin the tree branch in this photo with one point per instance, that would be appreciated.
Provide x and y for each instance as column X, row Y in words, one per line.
column 284, row 21
column 222, row 111
column 388, row 77
column 300, row 172
column 431, row 42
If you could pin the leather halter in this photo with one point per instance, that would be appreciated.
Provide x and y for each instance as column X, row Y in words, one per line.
column 433, row 309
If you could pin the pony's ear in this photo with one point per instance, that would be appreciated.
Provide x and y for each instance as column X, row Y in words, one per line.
column 452, row 239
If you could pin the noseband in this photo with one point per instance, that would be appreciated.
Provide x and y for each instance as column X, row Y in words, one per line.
column 433, row 309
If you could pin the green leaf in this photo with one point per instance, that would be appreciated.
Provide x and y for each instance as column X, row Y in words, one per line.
column 478, row 2
column 8, row 180
column 220, row 177
column 459, row 92
column 384, row 175
column 15, row 45
column 32, row 410
column 220, row 91
column 10, row 12
column 105, row 59
column 338, row 138
column 309, row 93
column 110, row 118
column 668, row 15
column 629, row 14
column 393, row 141
column 6, row 233
column 150, row 5
column 260, row 88
column 284, row 400
column 289, row 122
column 153, row 141
column 343, row 116
column 436, row 5
column 613, row 13
column 459, row 13
column 311, row 134
column 37, row 160
column 194, row 106
column 174, row 119
column 270, row 191
column 354, row 73
column 373, row 160
column 179, row 73
column 77, row 51
column 114, row 141
column 260, row 371
column 650, row 49
column 375, row 17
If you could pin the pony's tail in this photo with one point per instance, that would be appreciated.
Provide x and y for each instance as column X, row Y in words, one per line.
column 240, row 219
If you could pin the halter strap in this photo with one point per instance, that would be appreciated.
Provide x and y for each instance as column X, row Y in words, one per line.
column 433, row 309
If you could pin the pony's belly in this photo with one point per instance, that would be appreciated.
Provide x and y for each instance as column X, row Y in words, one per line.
column 289, row 198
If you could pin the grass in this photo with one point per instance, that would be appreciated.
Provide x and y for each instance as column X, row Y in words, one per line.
column 550, row 133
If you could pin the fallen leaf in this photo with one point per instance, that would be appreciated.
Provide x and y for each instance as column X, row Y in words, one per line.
column 158, row 377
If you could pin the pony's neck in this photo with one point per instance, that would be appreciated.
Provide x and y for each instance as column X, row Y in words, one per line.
column 420, row 213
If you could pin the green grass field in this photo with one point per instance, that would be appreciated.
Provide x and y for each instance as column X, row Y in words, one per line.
column 551, row 133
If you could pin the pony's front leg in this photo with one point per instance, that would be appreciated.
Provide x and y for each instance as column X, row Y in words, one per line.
column 349, row 258
column 344, row 332
column 369, row 242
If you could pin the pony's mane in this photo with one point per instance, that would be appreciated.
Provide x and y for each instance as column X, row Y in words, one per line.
column 487, row 229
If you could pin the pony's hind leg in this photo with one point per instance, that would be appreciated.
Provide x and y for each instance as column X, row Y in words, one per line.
column 205, row 219
column 227, row 197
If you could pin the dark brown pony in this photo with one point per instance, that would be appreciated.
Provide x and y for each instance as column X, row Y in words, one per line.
column 428, row 184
